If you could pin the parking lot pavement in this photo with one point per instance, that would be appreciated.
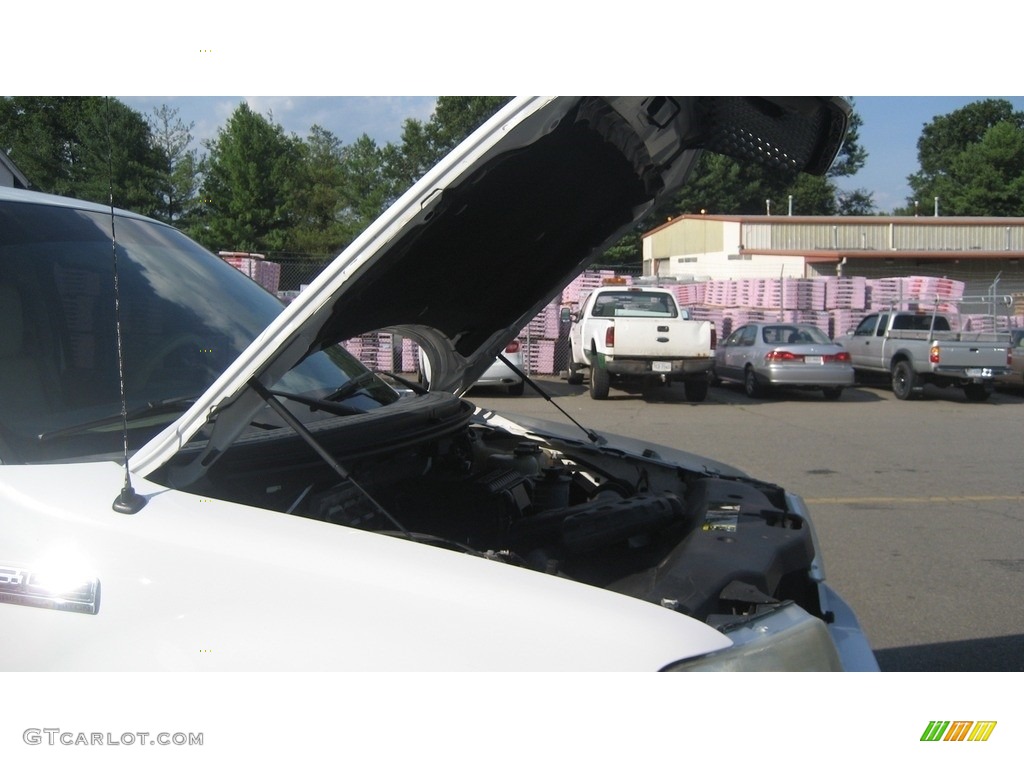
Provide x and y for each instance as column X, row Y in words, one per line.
column 919, row 505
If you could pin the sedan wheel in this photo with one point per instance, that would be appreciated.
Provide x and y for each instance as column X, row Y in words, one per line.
column 832, row 393
column 751, row 385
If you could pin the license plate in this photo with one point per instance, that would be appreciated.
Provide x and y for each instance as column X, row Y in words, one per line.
column 984, row 373
column 813, row 360
column 661, row 366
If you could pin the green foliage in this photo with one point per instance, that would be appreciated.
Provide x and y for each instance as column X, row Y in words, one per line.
column 972, row 160
column 318, row 200
column 249, row 187
column 369, row 185
column 627, row 251
column 181, row 166
column 88, row 147
column 859, row 202
column 424, row 144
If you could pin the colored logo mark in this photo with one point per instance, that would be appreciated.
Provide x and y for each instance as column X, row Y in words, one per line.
column 958, row 730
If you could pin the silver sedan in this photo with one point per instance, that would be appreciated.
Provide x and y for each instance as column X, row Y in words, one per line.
column 796, row 355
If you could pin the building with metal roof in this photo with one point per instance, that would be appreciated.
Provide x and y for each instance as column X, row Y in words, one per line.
column 979, row 251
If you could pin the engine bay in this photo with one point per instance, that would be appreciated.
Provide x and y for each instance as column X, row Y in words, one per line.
column 715, row 548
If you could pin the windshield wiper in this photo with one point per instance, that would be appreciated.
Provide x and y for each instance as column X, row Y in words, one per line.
column 332, row 403
column 350, row 387
column 411, row 385
column 153, row 408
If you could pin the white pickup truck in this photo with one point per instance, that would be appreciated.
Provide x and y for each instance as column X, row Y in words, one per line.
column 624, row 333
column 918, row 348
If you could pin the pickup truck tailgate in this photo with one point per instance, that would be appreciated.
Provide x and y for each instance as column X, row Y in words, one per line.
column 970, row 354
column 664, row 338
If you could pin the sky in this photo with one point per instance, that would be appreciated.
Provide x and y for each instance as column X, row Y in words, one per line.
column 889, row 133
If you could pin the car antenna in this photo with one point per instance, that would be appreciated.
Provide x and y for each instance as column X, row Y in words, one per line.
column 128, row 501
column 594, row 437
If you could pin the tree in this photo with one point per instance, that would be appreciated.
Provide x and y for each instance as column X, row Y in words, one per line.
column 180, row 165
column 89, row 147
column 859, row 202
column 424, row 144
column 971, row 159
column 248, row 190
column 369, row 181
column 319, row 199
column 987, row 178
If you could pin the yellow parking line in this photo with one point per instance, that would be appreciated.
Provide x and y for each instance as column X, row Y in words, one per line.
column 909, row 499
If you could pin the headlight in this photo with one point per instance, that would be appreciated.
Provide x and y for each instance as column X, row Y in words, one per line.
column 786, row 640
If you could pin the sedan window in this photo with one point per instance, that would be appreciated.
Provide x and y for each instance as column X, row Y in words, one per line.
column 748, row 336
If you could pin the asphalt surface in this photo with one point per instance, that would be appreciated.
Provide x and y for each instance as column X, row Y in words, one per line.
column 918, row 505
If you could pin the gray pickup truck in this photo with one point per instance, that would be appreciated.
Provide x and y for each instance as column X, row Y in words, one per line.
column 918, row 348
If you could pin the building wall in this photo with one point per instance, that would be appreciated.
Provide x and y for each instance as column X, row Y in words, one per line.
column 804, row 236
column 687, row 237
column 710, row 248
column 884, row 235
column 964, row 237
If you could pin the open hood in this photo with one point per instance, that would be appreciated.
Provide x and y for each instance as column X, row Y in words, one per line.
column 488, row 237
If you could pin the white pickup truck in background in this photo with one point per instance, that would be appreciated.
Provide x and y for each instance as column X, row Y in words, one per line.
column 626, row 333
column 918, row 348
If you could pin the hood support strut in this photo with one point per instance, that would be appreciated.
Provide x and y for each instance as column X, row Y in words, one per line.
column 307, row 437
column 591, row 434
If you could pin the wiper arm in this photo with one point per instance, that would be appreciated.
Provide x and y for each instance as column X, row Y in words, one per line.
column 404, row 382
column 331, row 403
column 152, row 408
column 350, row 387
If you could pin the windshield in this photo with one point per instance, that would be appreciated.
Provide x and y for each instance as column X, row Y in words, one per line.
column 185, row 315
